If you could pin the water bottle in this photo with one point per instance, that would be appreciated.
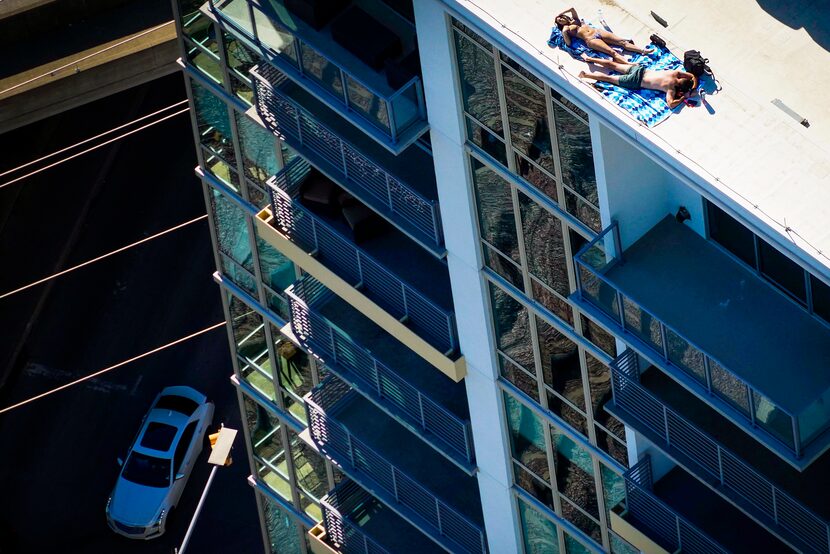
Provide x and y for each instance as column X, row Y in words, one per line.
column 602, row 20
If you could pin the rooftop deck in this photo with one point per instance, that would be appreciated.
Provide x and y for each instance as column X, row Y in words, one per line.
column 741, row 149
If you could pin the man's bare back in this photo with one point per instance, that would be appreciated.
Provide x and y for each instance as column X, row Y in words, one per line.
column 678, row 85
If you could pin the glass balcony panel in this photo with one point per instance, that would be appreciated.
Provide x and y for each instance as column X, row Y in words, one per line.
column 275, row 38
column 773, row 419
column 642, row 324
column 324, row 72
column 361, row 99
column 685, row 356
column 237, row 13
column 814, row 419
column 406, row 108
column 601, row 294
column 729, row 387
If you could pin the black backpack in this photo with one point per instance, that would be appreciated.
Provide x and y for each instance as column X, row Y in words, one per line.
column 695, row 63
column 698, row 66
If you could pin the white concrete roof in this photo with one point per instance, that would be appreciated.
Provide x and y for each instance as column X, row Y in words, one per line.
column 745, row 151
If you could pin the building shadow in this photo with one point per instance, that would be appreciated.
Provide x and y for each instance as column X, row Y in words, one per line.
column 812, row 15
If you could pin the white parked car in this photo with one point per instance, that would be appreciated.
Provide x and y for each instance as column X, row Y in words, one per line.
column 159, row 463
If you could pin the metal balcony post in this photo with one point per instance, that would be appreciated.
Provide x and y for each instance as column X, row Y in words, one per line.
column 720, row 465
column 345, row 86
column 438, row 517
column 299, row 126
column 707, row 372
column 343, row 159
column 750, row 401
column 620, row 306
column 395, row 484
column 351, row 448
column 403, row 298
column 378, row 381
column 333, row 344
column 393, row 125
column 679, row 534
column 663, row 340
column 358, row 257
column 421, row 410
column 666, row 424
column 796, row 436
column 389, row 192
column 774, row 504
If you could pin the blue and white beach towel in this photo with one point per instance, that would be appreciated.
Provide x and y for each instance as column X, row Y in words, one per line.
column 647, row 106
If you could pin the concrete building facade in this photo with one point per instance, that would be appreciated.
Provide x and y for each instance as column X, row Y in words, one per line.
column 475, row 307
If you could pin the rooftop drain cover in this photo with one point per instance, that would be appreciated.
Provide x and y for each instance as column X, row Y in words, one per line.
column 790, row 112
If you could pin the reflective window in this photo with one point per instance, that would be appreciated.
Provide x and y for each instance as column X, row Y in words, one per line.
column 577, row 161
column 214, row 124
column 539, row 534
column 527, row 115
column 544, row 245
column 477, row 73
column 527, row 437
column 283, row 532
column 259, row 149
column 309, row 467
column 821, row 298
column 561, row 368
column 730, row 234
column 574, row 473
column 782, row 271
column 512, row 327
column 497, row 222
column 277, row 270
column 231, row 226
column 613, row 487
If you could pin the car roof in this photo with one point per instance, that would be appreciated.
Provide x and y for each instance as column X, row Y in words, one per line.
column 158, row 424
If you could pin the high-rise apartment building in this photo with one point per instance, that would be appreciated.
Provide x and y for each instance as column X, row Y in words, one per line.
column 476, row 307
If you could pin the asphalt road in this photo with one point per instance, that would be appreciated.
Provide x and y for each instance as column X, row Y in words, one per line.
column 58, row 455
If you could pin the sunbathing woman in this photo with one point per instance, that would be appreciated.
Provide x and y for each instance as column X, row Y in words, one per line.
column 596, row 39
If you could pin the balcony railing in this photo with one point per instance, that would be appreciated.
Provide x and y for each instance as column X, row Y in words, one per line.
column 338, row 504
column 357, row 365
column 415, row 214
column 391, row 115
column 734, row 475
column 674, row 532
column 353, row 264
column 644, row 329
column 336, row 441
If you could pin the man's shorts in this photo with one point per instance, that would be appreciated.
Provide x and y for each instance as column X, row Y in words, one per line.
column 633, row 78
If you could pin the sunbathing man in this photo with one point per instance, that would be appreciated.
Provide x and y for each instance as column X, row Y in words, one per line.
column 678, row 85
column 596, row 39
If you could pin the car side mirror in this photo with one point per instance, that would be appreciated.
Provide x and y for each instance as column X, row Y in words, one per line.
column 120, row 461
column 179, row 476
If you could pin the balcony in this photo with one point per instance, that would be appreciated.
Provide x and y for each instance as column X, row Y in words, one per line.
column 718, row 329
column 677, row 513
column 355, row 522
column 382, row 96
column 416, row 482
column 365, row 251
column 385, row 371
column 400, row 188
column 689, row 431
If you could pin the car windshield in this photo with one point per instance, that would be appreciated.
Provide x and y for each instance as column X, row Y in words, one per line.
column 147, row 470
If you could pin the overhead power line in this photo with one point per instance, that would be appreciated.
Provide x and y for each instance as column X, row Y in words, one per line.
column 90, row 139
column 110, row 368
column 99, row 258
column 90, row 149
